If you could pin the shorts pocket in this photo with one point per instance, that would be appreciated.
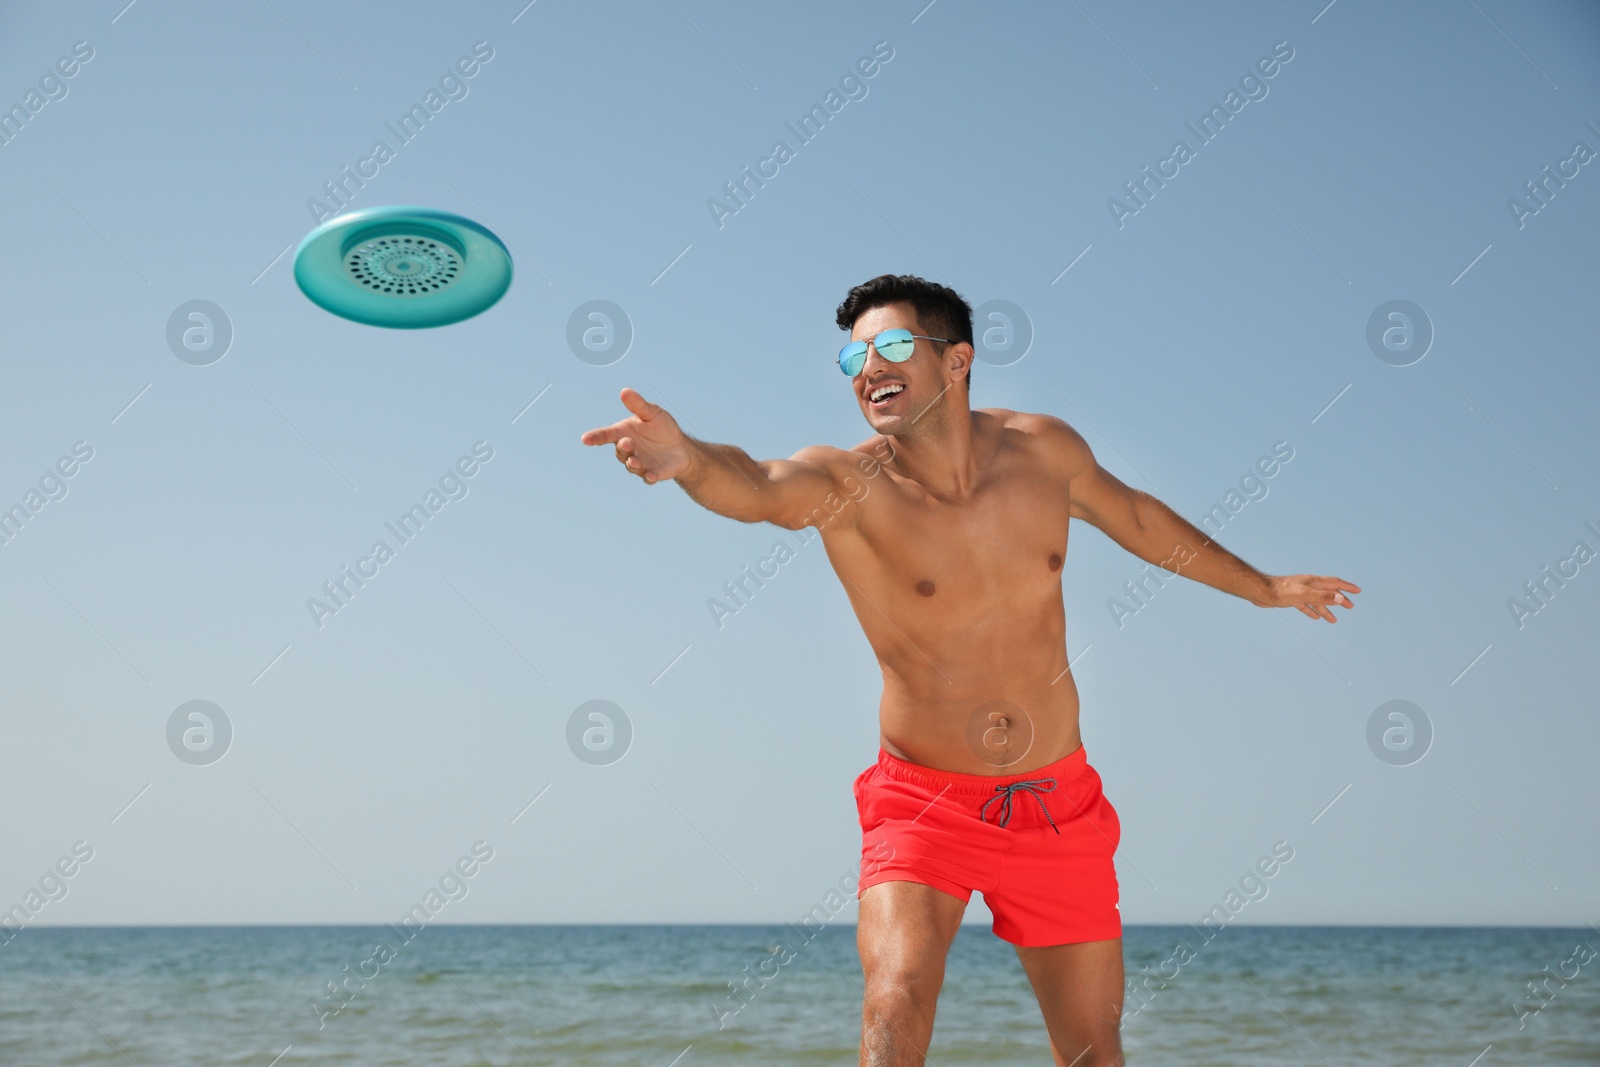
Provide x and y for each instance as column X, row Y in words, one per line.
column 1099, row 809
column 1108, row 815
column 863, row 799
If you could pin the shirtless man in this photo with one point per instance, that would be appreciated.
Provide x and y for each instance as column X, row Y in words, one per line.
column 948, row 528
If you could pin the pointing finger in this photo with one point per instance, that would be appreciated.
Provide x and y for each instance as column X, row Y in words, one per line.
column 638, row 404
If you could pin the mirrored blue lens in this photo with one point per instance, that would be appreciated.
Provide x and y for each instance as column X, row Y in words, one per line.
column 895, row 346
column 852, row 356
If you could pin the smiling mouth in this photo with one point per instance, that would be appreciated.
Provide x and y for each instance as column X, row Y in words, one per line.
column 893, row 392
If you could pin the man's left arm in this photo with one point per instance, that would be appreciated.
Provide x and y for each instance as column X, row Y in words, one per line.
column 1156, row 534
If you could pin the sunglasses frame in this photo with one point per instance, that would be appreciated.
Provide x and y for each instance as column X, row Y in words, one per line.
column 873, row 342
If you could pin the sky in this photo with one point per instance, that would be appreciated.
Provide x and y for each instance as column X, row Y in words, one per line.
column 1349, row 269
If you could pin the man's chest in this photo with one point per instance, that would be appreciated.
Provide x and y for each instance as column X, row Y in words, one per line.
column 1009, row 537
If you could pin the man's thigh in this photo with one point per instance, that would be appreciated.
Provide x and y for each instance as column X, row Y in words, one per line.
column 904, row 934
column 905, row 929
column 1079, row 987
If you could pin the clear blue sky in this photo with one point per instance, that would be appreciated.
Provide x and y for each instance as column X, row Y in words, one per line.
column 1224, row 316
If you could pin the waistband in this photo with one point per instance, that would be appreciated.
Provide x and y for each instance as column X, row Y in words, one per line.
column 1063, row 770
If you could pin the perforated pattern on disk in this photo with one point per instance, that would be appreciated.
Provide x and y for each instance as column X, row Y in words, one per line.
column 398, row 265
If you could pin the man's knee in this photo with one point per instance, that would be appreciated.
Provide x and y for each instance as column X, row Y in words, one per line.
column 905, row 983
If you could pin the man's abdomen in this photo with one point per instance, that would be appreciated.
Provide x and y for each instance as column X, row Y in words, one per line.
column 988, row 714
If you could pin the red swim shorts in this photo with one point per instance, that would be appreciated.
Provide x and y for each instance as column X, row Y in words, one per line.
column 1038, row 846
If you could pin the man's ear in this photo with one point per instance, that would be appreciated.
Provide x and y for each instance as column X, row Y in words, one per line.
column 958, row 358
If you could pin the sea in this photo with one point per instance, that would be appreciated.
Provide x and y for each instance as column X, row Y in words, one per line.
column 472, row 996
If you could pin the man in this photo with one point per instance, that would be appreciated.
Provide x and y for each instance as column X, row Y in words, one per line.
column 948, row 528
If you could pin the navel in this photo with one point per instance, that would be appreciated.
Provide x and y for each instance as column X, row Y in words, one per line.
column 1055, row 561
column 925, row 587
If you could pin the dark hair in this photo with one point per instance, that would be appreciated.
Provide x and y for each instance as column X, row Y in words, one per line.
column 940, row 310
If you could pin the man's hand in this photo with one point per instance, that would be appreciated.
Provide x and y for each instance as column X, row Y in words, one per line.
column 1308, row 592
column 649, row 443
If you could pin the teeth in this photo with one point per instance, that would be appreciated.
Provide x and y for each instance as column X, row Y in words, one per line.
column 886, row 390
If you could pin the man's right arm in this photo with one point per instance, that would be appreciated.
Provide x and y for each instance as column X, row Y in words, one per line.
column 722, row 478
column 784, row 492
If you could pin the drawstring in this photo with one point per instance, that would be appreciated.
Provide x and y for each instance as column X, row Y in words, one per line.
column 1032, row 786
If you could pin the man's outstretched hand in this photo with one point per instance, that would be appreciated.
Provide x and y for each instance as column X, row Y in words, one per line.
column 1310, row 593
column 649, row 442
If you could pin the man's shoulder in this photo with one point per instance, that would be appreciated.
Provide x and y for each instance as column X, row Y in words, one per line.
column 877, row 449
column 1033, row 423
column 1052, row 437
column 1025, row 421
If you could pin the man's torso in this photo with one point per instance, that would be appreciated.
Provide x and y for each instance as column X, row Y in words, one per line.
column 961, row 602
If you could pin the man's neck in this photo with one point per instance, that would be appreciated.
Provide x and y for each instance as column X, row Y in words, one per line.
column 940, row 453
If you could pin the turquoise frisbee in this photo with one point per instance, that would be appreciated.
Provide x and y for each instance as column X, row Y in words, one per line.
column 403, row 267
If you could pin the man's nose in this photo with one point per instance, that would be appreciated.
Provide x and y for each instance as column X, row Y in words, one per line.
column 874, row 360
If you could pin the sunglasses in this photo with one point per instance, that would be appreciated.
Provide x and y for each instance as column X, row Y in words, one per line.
column 895, row 346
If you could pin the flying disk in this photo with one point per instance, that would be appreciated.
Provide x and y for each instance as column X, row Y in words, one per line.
column 402, row 267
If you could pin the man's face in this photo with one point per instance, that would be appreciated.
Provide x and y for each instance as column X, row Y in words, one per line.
column 922, row 378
